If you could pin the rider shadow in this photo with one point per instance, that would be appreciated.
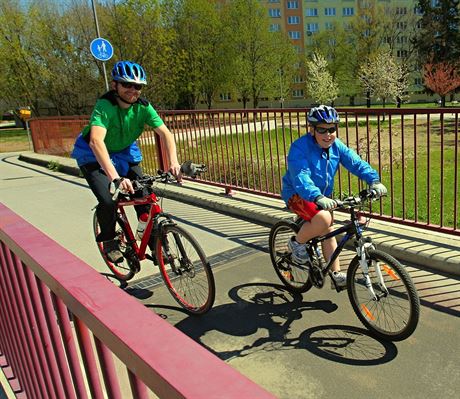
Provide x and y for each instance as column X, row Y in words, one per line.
column 268, row 307
column 136, row 292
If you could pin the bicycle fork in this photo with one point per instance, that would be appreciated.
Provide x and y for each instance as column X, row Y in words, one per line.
column 362, row 248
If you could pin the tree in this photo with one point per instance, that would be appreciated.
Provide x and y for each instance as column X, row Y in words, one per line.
column 334, row 45
column 319, row 82
column 201, row 41
column 46, row 64
column 258, row 57
column 439, row 36
column 383, row 77
column 142, row 31
column 442, row 78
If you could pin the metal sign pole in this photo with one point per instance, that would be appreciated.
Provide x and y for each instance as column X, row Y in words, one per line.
column 31, row 147
column 98, row 35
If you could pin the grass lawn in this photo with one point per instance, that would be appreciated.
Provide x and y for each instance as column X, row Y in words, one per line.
column 13, row 140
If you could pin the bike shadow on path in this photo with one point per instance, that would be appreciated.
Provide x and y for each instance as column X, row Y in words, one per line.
column 268, row 315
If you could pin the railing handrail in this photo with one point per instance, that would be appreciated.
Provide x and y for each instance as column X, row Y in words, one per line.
column 154, row 350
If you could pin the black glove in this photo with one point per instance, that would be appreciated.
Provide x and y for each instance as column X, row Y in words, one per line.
column 114, row 184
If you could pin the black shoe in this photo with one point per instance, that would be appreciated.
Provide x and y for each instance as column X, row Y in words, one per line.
column 112, row 251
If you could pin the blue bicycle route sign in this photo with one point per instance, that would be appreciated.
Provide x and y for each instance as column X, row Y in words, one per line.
column 101, row 49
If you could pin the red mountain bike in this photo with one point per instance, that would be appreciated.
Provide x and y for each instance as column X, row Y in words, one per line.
column 182, row 262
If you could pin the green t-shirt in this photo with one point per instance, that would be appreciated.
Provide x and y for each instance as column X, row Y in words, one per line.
column 124, row 126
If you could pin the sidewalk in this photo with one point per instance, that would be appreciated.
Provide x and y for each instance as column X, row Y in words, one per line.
column 420, row 247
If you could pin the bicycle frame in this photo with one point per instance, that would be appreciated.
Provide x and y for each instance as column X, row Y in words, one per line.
column 154, row 212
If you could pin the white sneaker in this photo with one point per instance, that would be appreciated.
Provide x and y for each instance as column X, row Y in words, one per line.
column 340, row 280
column 299, row 251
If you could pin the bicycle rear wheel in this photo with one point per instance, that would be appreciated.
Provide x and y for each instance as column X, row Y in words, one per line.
column 185, row 269
column 394, row 315
column 294, row 276
column 124, row 270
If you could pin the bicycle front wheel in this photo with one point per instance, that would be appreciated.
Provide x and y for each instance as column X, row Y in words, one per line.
column 185, row 269
column 294, row 276
column 124, row 270
column 393, row 313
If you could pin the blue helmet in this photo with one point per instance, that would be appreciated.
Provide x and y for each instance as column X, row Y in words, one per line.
column 130, row 72
column 323, row 114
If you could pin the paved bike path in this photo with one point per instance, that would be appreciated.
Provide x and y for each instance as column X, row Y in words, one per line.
column 296, row 347
column 313, row 346
column 430, row 249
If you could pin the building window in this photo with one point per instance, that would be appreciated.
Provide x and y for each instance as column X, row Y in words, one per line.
column 293, row 20
column 311, row 12
column 401, row 25
column 332, row 41
column 297, row 79
column 329, row 11
column 225, row 97
column 292, row 5
column 418, row 81
column 401, row 53
column 297, row 49
column 401, row 10
column 418, row 11
column 297, row 93
column 274, row 12
column 273, row 1
column 401, row 40
column 275, row 28
column 313, row 27
column 294, row 34
column 329, row 25
column 348, row 11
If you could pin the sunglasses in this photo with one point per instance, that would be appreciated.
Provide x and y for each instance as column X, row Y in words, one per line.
column 323, row 130
column 131, row 85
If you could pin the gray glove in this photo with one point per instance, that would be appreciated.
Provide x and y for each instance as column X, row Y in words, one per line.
column 325, row 203
column 379, row 188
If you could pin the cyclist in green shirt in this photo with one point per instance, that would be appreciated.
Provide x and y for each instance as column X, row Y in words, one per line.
column 106, row 150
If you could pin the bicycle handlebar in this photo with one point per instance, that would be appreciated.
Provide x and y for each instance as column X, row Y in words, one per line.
column 188, row 169
column 357, row 201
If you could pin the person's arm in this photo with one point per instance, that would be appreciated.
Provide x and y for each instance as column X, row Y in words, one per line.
column 167, row 139
column 97, row 145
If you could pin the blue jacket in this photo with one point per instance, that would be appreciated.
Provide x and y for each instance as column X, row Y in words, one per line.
column 311, row 170
column 121, row 159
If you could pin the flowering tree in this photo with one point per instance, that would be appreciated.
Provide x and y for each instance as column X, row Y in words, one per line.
column 442, row 78
column 319, row 82
column 383, row 77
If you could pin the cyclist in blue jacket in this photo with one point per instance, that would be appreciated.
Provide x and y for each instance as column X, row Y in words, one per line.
column 313, row 161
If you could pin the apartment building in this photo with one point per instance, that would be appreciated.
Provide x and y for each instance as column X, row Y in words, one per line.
column 302, row 20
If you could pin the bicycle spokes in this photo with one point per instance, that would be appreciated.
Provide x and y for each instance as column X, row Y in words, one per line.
column 185, row 270
column 383, row 296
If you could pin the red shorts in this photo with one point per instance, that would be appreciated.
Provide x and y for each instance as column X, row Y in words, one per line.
column 305, row 209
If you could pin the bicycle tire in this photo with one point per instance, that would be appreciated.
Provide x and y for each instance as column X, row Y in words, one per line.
column 395, row 315
column 185, row 269
column 124, row 270
column 295, row 277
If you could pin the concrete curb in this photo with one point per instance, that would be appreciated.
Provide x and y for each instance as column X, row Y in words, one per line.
column 437, row 251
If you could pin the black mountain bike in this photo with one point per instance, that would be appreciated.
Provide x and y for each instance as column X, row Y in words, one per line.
column 380, row 290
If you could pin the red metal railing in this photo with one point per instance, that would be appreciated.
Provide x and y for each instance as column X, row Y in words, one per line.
column 67, row 332
column 416, row 152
